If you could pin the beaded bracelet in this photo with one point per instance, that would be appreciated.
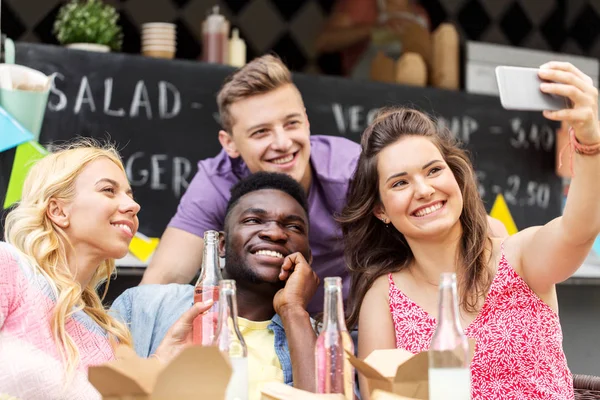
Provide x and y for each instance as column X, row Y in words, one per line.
column 575, row 146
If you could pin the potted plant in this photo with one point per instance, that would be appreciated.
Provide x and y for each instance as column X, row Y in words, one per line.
column 88, row 25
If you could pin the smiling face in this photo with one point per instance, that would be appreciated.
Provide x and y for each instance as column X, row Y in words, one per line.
column 419, row 193
column 271, row 133
column 262, row 228
column 102, row 217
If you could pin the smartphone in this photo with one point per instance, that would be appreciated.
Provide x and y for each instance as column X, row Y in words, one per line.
column 520, row 90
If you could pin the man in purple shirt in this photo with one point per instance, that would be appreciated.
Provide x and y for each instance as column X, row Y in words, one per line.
column 265, row 128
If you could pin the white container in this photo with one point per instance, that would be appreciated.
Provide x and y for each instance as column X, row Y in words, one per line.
column 237, row 50
column 100, row 48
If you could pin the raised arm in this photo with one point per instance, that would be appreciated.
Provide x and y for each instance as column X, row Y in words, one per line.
column 290, row 304
column 496, row 228
column 177, row 259
column 375, row 326
column 552, row 253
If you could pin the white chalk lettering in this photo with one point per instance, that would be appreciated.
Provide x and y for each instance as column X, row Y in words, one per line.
column 164, row 88
column 338, row 114
column 108, row 86
column 84, row 96
column 129, row 170
column 540, row 138
column 157, row 171
column 356, row 118
column 462, row 127
column 155, row 174
column 469, row 126
column 353, row 119
column 182, row 167
column 371, row 115
column 54, row 91
column 140, row 99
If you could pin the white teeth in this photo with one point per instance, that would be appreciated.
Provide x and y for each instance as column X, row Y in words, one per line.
column 269, row 253
column 283, row 160
column 124, row 227
column 426, row 211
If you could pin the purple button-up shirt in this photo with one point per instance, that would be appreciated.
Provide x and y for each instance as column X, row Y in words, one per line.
column 333, row 160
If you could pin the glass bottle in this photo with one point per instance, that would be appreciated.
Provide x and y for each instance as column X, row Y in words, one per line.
column 231, row 342
column 334, row 373
column 205, row 325
column 449, row 371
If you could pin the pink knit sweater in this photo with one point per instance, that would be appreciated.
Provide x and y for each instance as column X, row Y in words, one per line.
column 30, row 364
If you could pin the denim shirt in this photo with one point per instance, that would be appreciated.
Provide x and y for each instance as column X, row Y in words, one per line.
column 150, row 310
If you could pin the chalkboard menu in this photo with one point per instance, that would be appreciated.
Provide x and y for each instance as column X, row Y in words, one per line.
column 162, row 114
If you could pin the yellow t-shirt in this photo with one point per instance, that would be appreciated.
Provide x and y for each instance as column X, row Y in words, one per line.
column 263, row 363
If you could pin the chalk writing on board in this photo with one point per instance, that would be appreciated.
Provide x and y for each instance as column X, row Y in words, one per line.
column 150, row 170
column 352, row 119
column 516, row 191
column 168, row 104
column 538, row 137
column 461, row 126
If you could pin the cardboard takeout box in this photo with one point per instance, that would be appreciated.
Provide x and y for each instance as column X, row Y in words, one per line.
column 196, row 373
column 396, row 371
column 281, row 391
column 381, row 395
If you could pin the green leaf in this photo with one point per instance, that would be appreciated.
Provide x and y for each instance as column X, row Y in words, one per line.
column 88, row 21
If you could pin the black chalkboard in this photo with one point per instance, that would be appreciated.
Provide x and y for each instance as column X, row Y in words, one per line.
column 163, row 116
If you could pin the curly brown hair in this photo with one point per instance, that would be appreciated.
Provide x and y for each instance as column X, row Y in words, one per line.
column 372, row 250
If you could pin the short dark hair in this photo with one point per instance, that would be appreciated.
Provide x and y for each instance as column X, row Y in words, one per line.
column 268, row 180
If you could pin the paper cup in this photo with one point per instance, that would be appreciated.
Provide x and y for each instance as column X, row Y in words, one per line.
column 26, row 102
column 164, row 31
column 161, row 25
column 159, row 47
column 159, row 54
column 159, row 42
column 159, row 35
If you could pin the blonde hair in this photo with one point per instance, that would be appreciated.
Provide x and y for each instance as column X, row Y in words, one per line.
column 44, row 243
column 261, row 75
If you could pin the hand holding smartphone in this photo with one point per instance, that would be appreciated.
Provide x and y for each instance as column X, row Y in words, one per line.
column 520, row 90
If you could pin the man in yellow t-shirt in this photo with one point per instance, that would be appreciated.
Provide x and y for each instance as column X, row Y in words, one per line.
column 266, row 248
column 263, row 364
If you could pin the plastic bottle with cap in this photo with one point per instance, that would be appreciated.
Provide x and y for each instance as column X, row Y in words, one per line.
column 225, row 28
column 237, row 49
column 215, row 31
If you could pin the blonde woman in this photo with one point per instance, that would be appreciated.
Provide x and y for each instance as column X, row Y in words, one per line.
column 77, row 215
